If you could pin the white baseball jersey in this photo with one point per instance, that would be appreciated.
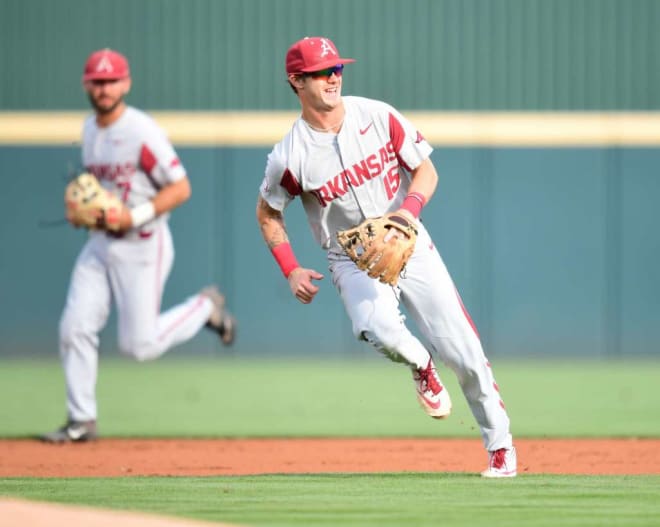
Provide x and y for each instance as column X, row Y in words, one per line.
column 347, row 177
column 132, row 158
column 363, row 172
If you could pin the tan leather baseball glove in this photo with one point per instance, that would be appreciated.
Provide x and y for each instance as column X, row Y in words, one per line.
column 381, row 246
column 90, row 205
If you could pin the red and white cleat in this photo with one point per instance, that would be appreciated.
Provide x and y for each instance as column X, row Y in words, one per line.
column 502, row 463
column 431, row 394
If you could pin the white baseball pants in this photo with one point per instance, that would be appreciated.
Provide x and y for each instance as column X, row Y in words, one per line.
column 428, row 293
column 133, row 271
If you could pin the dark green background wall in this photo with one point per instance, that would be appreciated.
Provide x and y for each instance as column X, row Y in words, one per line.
column 418, row 54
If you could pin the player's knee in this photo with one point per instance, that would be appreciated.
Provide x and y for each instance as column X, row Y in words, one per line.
column 389, row 348
column 382, row 332
column 138, row 350
column 74, row 336
column 383, row 337
column 462, row 355
column 65, row 332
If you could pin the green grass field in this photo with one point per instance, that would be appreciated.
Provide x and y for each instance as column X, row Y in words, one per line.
column 230, row 397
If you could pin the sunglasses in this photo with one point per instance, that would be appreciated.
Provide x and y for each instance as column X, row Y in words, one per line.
column 327, row 72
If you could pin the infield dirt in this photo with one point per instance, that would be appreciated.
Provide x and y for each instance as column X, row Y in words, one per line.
column 201, row 457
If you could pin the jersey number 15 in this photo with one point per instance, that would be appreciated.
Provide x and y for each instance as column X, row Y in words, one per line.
column 392, row 180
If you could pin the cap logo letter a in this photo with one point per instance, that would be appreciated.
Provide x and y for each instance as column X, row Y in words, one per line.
column 105, row 65
column 326, row 48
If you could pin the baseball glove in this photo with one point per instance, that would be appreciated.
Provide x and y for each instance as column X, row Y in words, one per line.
column 380, row 246
column 90, row 205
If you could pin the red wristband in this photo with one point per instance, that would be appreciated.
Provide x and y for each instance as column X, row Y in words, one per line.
column 413, row 203
column 285, row 258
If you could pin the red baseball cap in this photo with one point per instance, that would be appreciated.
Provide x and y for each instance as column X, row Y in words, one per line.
column 106, row 64
column 313, row 54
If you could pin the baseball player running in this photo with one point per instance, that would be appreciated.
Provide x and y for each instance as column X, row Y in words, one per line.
column 351, row 158
column 132, row 158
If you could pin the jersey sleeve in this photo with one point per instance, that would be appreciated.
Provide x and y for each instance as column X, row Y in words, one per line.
column 409, row 144
column 279, row 186
column 158, row 159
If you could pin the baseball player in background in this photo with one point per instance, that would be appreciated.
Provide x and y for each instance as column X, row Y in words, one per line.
column 351, row 158
column 131, row 156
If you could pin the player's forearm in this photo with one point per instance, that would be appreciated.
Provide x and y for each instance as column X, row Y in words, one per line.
column 171, row 196
column 424, row 179
column 271, row 223
column 168, row 198
column 423, row 184
column 273, row 230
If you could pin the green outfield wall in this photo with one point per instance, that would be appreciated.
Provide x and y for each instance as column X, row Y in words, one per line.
column 554, row 250
column 418, row 54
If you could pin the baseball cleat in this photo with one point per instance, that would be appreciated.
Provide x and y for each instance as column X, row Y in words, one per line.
column 72, row 432
column 502, row 463
column 431, row 394
column 227, row 330
column 220, row 320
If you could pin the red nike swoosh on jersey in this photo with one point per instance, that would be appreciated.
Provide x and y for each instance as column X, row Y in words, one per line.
column 362, row 132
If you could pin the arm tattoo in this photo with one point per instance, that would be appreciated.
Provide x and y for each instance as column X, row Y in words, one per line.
column 272, row 225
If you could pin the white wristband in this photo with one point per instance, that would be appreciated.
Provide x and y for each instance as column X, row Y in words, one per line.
column 142, row 214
